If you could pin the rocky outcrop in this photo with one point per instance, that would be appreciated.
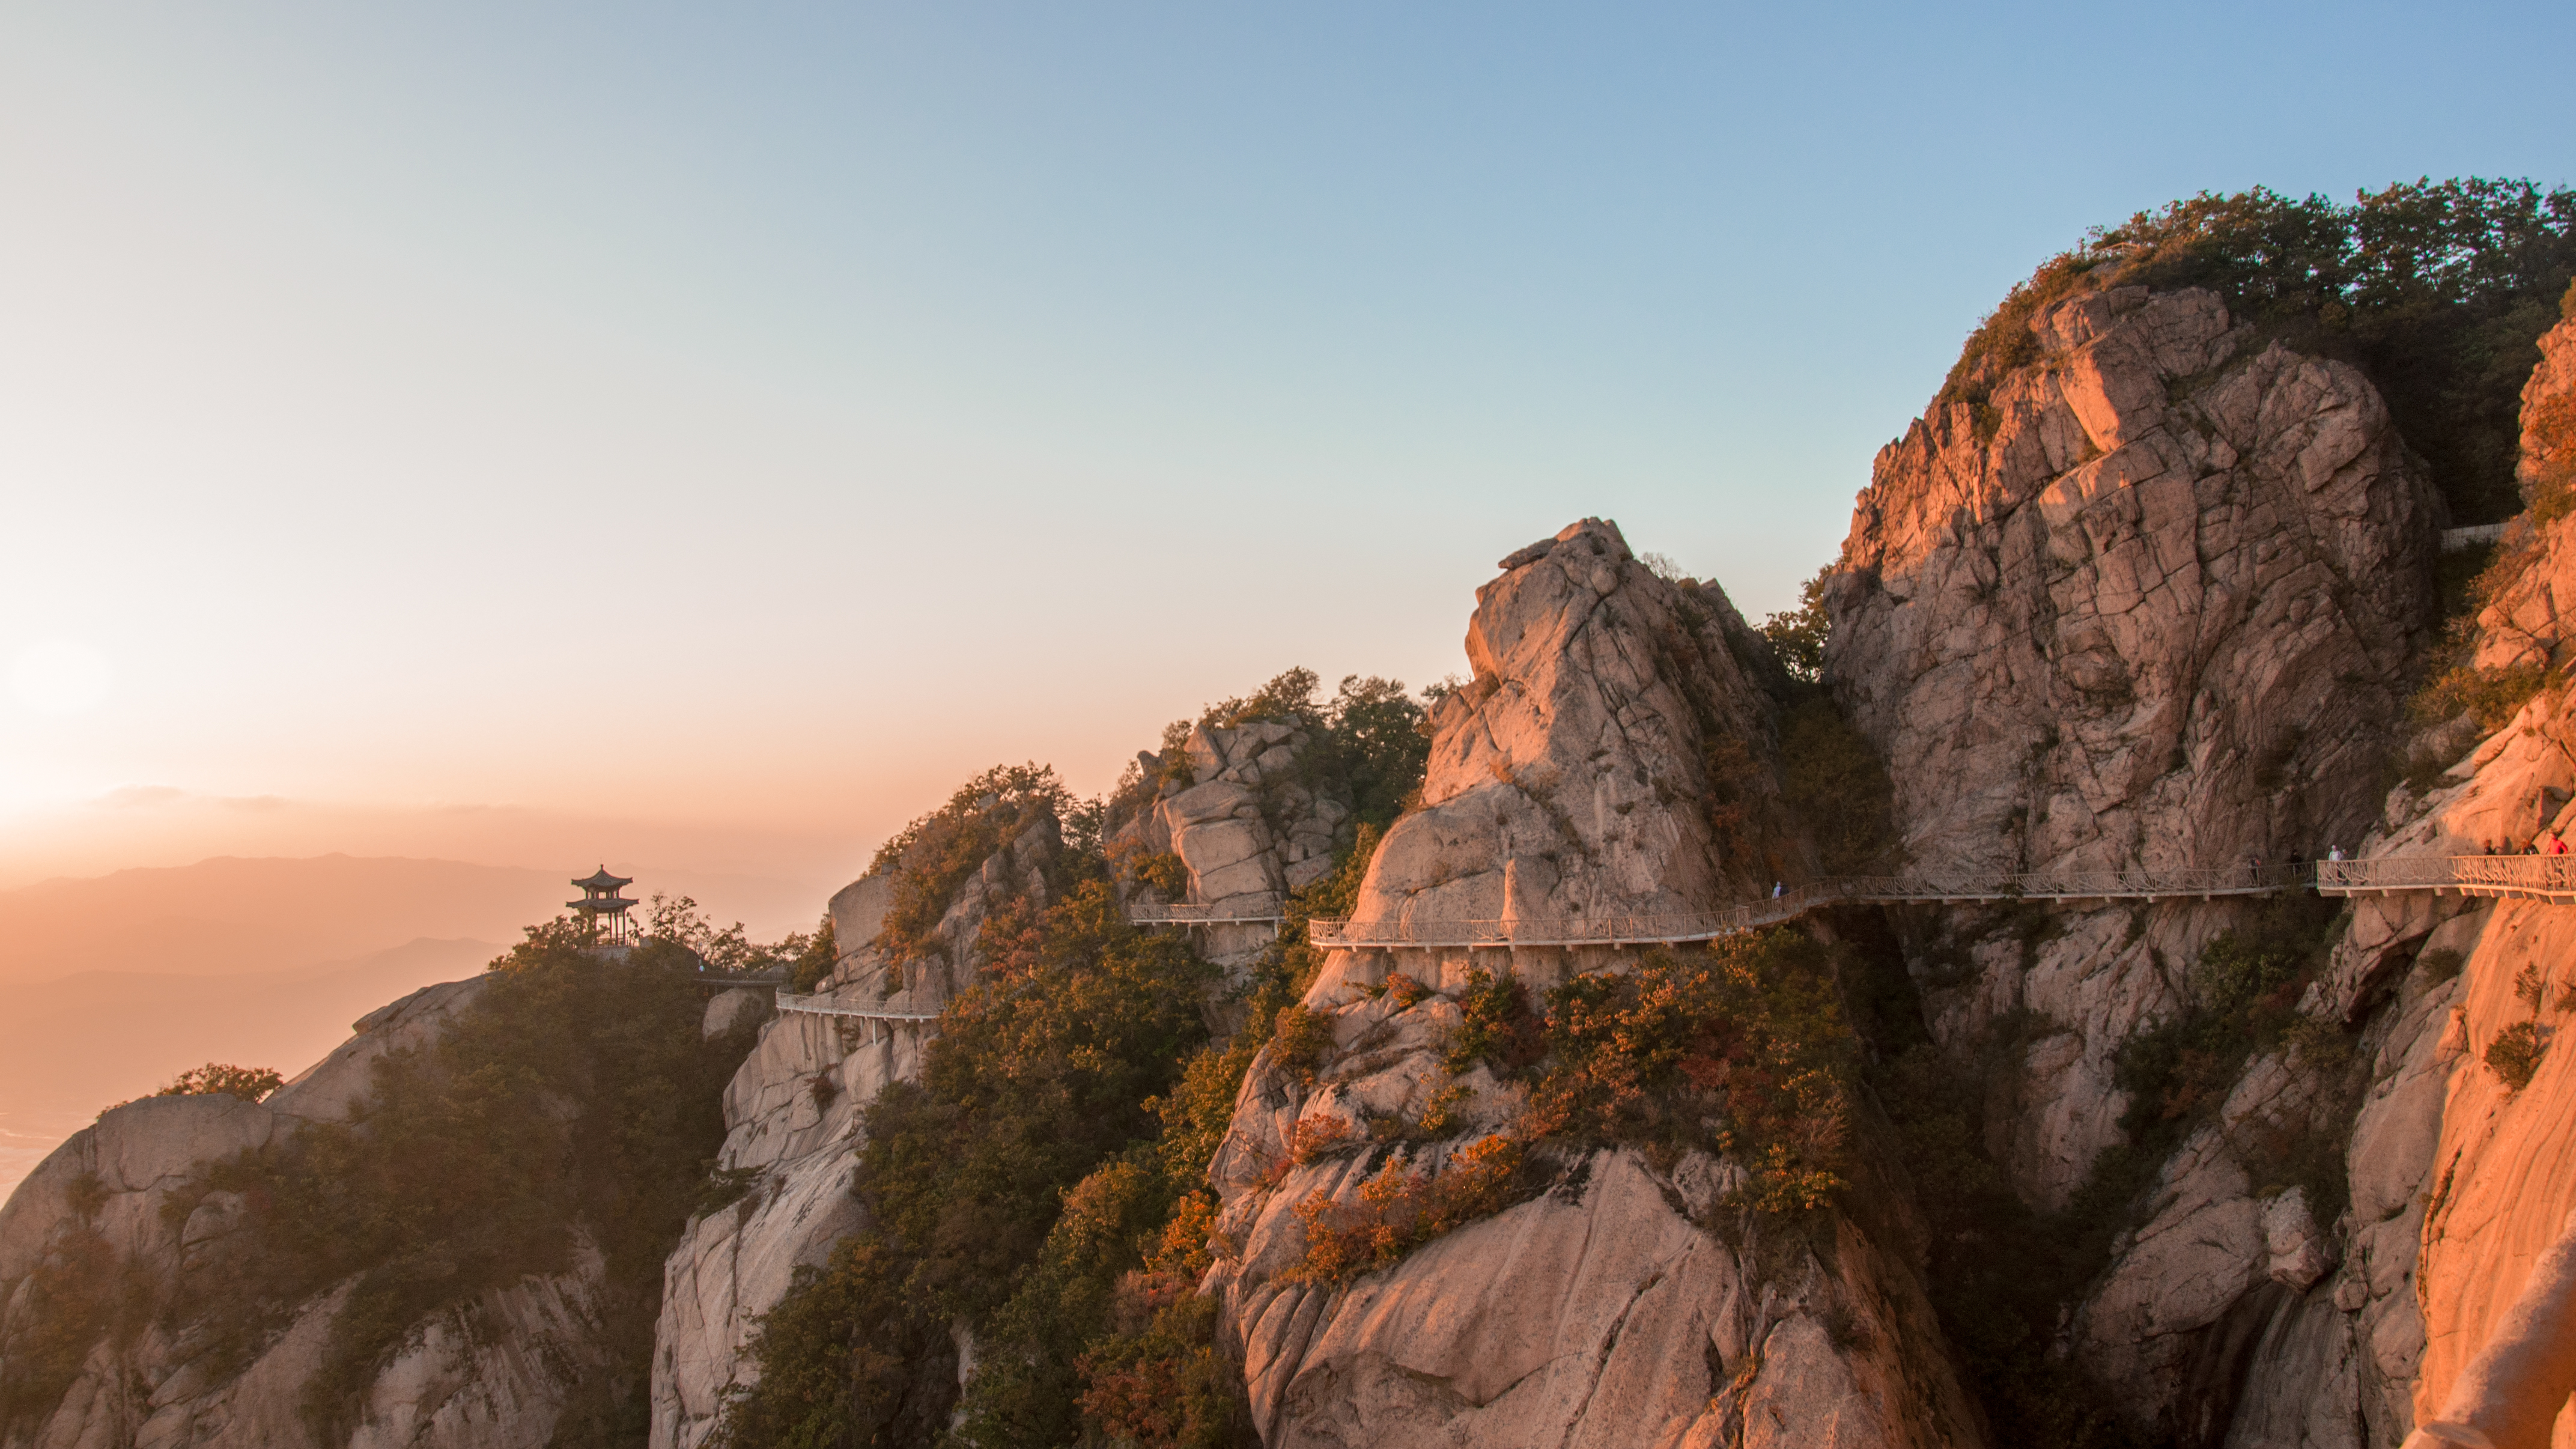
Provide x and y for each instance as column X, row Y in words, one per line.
column 2160, row 616
column 1630, row 1303
column 2496, row 1184
column 1626, row 1304
column 498, row 1371
column 1612, row 757
column 1251, row 819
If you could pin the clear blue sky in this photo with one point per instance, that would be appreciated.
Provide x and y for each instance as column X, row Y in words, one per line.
column 873, row 393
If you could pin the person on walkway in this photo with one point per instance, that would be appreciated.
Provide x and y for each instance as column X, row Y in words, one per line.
column 2334, row 852
column 2557, row 843
column 2253, row 870
column 1777, row 890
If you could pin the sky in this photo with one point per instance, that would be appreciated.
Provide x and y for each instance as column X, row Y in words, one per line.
column 696, row 438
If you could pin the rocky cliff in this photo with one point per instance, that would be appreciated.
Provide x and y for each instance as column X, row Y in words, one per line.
column 2160, row 592
column 2479, row 1136
column 1608, row 759
column 2161, row 607
column 792, row 1113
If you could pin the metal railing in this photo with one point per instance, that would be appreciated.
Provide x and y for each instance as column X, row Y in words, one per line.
column 1193, row 915
column 815, row 1005
column 1682, row 927
column 2521, row 877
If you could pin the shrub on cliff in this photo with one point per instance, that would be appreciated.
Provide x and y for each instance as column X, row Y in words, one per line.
column 1738, row 1047
column 1369, row 742
column 2515, row 1054
column 251, row 1084
column 575, row 1095
column 935, row 854
column 1798, row 635
column 2438, row 290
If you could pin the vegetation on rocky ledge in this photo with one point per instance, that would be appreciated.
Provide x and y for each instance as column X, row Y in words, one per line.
column 2438, row 290
column 1041, row 1190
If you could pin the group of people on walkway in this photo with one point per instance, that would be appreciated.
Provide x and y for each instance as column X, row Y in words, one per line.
column 2548, row 842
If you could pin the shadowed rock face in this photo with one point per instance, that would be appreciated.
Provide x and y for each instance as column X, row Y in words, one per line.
column 1630, row 1304
column 2477, row 1173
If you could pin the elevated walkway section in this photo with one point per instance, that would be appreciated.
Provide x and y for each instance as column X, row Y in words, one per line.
column 2549, row 878
column 1259, row 913
column 818, row 1005
column 1928, row 888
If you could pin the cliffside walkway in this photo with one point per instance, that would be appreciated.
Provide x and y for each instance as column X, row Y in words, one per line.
column 2530, row 877
column 2550, row 878
column 816, row 1005
column 1142, row 915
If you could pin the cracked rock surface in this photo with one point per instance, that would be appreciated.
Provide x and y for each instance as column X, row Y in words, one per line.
column 1626, row 1304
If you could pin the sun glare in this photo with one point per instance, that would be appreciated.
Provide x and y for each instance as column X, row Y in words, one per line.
column 59, row 676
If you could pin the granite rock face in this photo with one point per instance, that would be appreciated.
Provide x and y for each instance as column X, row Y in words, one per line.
column 1613, row 757
column 2160, row 616
column 1628, row 1304
column 1250, row 823
column 2499, row 1168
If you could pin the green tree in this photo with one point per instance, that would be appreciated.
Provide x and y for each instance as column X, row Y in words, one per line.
column 251, row 1084
column 1798, row 635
